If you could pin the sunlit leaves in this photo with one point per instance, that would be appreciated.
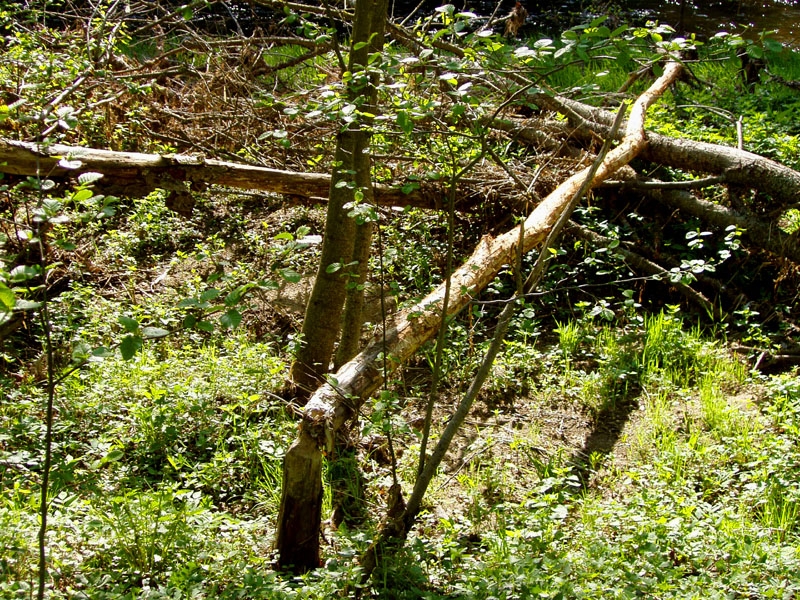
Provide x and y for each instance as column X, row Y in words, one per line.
column 7, row 299
column 129, row 323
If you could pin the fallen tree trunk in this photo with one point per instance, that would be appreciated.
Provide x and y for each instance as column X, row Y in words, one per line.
column 138, row 174
column 738, row 166
column 768, row 236
column 340, row 398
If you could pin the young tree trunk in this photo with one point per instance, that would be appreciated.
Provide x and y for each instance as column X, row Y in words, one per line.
column 351, row 175
column 299, row 503
column 354, row 304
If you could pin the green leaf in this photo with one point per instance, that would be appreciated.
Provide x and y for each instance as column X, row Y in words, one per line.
column 82, row 195
column 209, row 294
column 290, row 275
column 150, row 333
column 130, row 324
column 7, row 298
column 409, row 187
column 188, row 303
column 231, row 319
column 113, row 456
column 90, row 177
column 773, row 46
column 70, row 164
column 189, row 321
column 129, row 346
column 81, row 352
column 755, row 51
column 404, row 122
column 65, row 245
column 333, row 267
column 101, row 352
column 236, row 295
column 24, row 273
column 26, row 304
column 207, row 326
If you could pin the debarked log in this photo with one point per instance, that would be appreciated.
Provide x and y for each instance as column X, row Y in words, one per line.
column 337, row 400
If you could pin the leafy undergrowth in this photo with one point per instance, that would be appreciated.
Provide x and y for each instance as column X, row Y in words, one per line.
column 618, row 451
column 635, row 461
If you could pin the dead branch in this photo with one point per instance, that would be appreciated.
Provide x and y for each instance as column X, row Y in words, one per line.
column 738, row 166
column 137, row 174
column 643, row 265
column 757, row 232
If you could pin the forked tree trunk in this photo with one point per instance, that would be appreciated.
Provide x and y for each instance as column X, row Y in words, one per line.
column 340, row 398
column 322, row 321
column 299, row 521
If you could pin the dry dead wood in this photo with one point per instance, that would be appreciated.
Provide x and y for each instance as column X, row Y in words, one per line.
column 641, row 264
column 765, row 235
column 137, row 174
column 338, row 400
column 738, row 166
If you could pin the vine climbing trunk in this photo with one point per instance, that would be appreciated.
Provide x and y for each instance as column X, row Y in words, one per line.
column 299, row 520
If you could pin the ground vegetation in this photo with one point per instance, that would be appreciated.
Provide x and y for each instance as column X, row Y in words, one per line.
column 632, row 430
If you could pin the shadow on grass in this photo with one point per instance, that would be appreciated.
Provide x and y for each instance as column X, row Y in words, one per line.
column 604, row 436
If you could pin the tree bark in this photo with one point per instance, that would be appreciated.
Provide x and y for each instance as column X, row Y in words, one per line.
column 738, row 166
column 341, row 396
column 353, row 318
column 138, row 174
column 300, row 513
column 322, row 322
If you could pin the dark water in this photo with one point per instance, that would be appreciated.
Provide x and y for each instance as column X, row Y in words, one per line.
column 701, row 16
column 708, row 18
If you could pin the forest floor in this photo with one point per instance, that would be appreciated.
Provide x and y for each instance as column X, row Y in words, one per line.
column 625, row 445
column 640, row 457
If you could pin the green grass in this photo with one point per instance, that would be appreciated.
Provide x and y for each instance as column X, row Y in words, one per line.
column 167, row 480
